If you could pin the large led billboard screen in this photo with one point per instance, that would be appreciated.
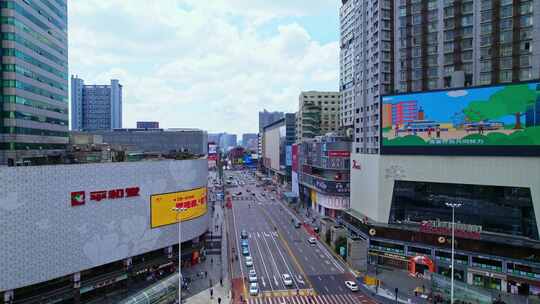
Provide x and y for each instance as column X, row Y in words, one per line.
column 494, row 120
column 161, row 206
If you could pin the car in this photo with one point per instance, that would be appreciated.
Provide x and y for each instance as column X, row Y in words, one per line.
column 245, row 251
column 244, row 243
column 262, row 194
column 252, row 276
column 312, row 240
column 244, row 234
column 238, row 193
column 316, row 229
column 253, row 289
column 248, row 191
column 296, row 224
column 287, row 280
column 249, row 261
column 351, row 285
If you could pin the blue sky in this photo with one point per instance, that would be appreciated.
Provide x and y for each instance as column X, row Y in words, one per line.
column 206, row 64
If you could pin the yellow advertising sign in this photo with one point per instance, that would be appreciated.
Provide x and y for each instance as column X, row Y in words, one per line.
column 161, row 206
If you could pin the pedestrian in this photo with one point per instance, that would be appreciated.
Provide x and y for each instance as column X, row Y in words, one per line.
column 211, row 260
column 221, row 282
column 219, row 300
column 205, row 274
column 211, row 293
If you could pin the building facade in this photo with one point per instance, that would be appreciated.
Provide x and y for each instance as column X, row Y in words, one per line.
column 93, row 228
column 323, row 174
column 250, row 141
column 227, row 141
column 266, row 118
column 318, row 114
column 436, row 149
column 194, row 141
column 35, row 82
column 406, row 46
column 96, row 107
column 477, row 42
column 277, row 139
column 147, row 124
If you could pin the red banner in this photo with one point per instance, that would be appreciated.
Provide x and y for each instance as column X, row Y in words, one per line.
column 339, row 154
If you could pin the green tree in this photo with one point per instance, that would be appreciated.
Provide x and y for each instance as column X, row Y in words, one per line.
column 511, row 100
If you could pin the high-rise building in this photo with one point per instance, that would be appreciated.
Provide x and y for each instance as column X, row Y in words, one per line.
column 249, row 141
column 147, row 124
column 477, row 42
column 227, row 141
column 408, row 46
column 318, row 114
column 34, row 80
column 96, row 107
column 366, row 64
column 266, row 118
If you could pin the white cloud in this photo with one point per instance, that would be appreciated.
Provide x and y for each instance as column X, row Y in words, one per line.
column 188, row 64
column 457, row 93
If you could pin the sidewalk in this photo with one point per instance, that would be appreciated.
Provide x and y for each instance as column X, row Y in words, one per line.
column 207, row 275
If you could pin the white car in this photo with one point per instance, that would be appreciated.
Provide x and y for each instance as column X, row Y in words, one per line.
column 249, row 261
column 253, row 289
column 351, row 285
column 252, row 276
column 287, row 280
column 312, row 240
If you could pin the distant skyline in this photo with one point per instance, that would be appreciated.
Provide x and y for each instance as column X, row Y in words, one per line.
column 210, row 66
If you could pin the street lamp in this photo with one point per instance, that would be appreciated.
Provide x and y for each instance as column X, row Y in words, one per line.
column 453, row 206
column 178, row 211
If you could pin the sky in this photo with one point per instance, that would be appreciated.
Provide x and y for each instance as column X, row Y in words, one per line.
column 211, row 65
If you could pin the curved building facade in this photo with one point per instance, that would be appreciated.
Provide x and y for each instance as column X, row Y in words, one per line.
column 62, row 221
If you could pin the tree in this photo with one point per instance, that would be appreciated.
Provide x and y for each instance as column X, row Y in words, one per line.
column 512, row 100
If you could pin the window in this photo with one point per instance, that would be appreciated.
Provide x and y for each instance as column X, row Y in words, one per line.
column 511, row 209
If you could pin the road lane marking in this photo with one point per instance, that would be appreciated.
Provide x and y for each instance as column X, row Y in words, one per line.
column 264, row 264
column 326, row 288
column 320, row 279
column 312, row 268
column 331, row 258
column 273, row 260
column 286, row 264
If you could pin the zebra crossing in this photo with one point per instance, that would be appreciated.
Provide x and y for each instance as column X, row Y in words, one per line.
column 319, row 299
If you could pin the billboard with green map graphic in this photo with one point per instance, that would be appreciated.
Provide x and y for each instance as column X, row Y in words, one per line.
column 491, row 120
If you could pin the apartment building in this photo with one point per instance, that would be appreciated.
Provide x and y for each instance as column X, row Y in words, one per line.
column 318, row 114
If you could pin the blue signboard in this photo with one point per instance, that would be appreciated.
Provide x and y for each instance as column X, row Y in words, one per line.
column 288, row 156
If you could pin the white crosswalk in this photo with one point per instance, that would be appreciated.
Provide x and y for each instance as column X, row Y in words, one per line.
column 320, row 299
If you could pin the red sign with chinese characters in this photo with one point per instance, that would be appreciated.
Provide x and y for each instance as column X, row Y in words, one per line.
column 339, row 153
column 78, row 197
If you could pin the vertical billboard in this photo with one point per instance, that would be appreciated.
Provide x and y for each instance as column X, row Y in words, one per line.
column 493, row 120
column 294, row 167
column 161, row 206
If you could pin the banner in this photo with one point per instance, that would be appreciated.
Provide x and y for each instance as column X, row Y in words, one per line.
column 161, row 207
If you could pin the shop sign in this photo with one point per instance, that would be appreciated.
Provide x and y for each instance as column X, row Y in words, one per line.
column 331, row 187
column 339, row 153
column 78, row 198
column 389, row 255
column 445, row 228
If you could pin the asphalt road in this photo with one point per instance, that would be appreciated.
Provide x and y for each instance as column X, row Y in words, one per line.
column 271, row 257
column 284, row 250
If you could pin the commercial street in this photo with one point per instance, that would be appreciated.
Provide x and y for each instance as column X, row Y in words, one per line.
column 278, row 247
